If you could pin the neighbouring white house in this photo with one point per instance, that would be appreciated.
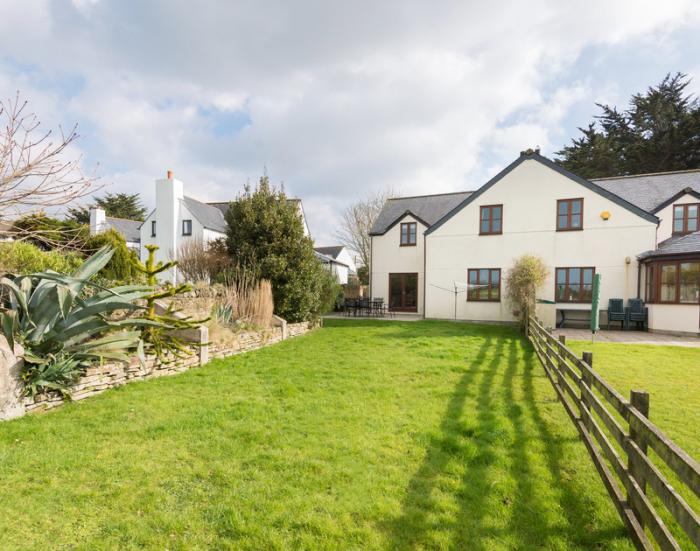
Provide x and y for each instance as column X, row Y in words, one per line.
column 446, row 256
column 178, row 219
column 339, row 260
column 130, row 229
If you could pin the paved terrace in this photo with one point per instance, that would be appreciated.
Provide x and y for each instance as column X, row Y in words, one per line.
column 630, row 337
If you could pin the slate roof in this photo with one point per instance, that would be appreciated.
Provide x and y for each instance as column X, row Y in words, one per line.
column 427, row 208
column 128, row 228
column 651, row 191
column 209, row 215
column 327, row 259
column 333, row 251
column 676, row 245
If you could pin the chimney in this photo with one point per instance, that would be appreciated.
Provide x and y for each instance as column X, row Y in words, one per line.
column 98, row 220
column 169, row 194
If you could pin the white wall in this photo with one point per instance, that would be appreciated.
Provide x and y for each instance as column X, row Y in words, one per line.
column 346, row 258
column 388, row 256
column 678, row 318
column 529, row 196
column 666, row 214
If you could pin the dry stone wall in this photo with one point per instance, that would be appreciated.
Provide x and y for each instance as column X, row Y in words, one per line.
column 99, row 378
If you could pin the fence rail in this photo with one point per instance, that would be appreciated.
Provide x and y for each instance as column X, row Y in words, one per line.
column 619, row 436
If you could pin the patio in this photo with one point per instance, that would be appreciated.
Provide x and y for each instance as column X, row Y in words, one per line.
column 629, row 337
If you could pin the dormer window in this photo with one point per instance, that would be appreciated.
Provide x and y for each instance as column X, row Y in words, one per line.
column 187, row 227
column 685, row 218
column 491, row 220
column 408, row 234
column 569, row 214
column 153, row 228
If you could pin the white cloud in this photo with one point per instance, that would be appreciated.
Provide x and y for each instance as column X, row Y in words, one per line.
column 342, row 98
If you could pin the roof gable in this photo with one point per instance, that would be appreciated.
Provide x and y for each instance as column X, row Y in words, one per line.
column 427, row 209
column 534, row 156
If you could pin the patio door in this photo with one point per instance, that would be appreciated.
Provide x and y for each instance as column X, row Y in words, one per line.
column 403, row 292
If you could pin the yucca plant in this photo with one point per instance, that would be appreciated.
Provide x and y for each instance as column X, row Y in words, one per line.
column 46, row 313
column 223, row 314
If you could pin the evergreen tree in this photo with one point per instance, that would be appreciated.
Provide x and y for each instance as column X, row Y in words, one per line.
column 118, row 205
column 660, row 131
column 266, row 234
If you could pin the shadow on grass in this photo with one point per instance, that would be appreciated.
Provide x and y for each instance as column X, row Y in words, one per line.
column 500, row 448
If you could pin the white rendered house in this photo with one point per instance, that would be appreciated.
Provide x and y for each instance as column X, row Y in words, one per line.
column 178, row 218
column 446, row 256
column 338, row 260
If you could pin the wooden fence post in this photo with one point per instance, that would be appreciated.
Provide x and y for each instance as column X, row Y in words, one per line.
column 587, row 357
column 640, row 401
column 562, row 340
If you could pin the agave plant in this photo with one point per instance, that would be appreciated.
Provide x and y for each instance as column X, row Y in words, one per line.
column 47, row 313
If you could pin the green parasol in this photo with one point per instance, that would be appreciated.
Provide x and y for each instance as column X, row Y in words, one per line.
column 595, row 304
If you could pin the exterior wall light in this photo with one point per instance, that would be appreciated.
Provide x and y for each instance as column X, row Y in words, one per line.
column 605, row 215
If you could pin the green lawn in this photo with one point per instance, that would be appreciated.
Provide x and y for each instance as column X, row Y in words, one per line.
column 362, row 435
column 671, row 376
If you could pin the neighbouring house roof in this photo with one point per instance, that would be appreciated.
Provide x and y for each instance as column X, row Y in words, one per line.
column 209, row 215
column 426, row 208
column 130, row 229
column 676, row 245
column 652, row 192
column 333, row 251
column 326, row 259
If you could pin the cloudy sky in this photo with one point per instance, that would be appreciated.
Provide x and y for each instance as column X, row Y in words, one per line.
column 335, row 99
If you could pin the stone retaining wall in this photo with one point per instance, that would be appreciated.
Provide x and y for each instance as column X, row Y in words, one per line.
column 99, row 378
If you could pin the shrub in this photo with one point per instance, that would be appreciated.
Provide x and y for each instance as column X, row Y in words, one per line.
column 332, row 296
column 198, row 261
column 21, row 257
column 523, row 280
column 266, row 232
column 122, row 268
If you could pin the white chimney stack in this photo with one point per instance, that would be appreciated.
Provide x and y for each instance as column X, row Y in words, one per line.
column 98, row 220
column 169, row 193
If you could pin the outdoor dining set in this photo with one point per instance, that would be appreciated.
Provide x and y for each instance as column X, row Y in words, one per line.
column 366, row 307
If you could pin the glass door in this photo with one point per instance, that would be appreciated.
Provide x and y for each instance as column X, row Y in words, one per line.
column 403, row 292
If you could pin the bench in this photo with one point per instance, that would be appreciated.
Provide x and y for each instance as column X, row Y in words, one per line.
column 573, row 315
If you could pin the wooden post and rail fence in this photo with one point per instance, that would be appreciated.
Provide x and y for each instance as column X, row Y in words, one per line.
column 619, row 438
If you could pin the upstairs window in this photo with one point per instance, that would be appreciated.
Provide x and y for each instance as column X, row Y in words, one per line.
column 408, row 234
column 187, row 227
column 569, row 214
column 491, row 220
column 484, row 284
column 685, row 218
column 574, row 284
column 153, row 228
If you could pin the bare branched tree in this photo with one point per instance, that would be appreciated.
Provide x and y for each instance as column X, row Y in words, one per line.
column 357, row 222
column 34, row 172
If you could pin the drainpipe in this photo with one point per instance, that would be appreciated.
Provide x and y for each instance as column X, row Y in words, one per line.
column 425, row 275
column 371, row 266
column 639, row 279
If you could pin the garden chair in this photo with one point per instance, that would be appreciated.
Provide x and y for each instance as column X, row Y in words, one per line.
column 617, row 312
column 638, row 313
